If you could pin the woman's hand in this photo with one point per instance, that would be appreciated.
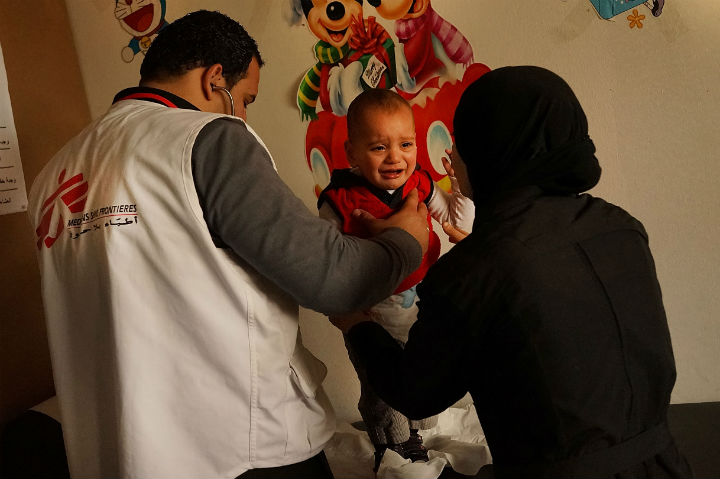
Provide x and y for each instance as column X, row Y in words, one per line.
column 345, row 322
column 455, row 235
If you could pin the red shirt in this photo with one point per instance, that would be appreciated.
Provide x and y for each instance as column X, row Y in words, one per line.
column 348, row 191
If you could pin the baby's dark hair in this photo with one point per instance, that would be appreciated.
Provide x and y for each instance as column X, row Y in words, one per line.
column 374, row 98
column 200, row 39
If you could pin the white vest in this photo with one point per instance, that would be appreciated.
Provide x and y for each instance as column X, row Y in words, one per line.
column 172, row 357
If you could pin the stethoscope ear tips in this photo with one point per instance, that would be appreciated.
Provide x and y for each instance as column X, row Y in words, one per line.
column 229, row 95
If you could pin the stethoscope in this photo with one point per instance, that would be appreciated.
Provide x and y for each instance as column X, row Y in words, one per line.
column 227, row 92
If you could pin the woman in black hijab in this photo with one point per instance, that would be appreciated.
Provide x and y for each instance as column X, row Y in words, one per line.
column 549, row 313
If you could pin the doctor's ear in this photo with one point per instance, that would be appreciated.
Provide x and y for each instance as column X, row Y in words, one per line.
column 211, row 77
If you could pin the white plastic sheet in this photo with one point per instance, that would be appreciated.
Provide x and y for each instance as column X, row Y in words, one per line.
column 457, row 441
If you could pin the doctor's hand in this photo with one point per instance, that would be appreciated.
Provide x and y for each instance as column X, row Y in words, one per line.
column 345, row 322
column 411, row 217
column 455, row 235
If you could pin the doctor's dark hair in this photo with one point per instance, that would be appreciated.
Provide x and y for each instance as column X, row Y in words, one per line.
column 200, row 39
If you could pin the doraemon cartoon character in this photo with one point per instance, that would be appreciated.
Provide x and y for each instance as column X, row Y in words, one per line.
column 142, row 19
column 432, row 46
column 352, row 54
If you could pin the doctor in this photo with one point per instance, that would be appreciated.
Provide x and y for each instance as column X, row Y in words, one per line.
column 173, row 261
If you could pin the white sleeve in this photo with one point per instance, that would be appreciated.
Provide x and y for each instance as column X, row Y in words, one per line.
column 453, row 207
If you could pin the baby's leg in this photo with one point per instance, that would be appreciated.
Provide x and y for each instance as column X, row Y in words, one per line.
column 386, row 427
column 423, row 424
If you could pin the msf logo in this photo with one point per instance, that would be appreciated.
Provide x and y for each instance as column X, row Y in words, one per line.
column 73, row 193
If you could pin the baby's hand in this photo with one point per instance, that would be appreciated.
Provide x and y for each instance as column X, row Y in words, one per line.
column 455, row 235
column 447, row 163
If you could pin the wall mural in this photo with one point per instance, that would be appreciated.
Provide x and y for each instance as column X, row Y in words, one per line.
column 142, row 19
column 609, row 8
column 425, row 59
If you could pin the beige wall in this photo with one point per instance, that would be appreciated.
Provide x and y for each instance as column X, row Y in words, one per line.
column 49, row 107
column 651, row 95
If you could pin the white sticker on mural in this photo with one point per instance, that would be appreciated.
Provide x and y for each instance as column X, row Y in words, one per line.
column 13, row 197
column 373, row 71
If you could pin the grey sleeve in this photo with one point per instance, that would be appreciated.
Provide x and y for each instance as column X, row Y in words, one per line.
column 251, row 211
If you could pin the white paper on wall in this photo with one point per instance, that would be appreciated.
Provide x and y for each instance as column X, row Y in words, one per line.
column 13, row 196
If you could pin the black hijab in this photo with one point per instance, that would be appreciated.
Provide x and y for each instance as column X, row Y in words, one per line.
column 522, row 126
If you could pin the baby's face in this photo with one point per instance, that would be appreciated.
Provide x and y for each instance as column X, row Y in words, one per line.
column 384, row 148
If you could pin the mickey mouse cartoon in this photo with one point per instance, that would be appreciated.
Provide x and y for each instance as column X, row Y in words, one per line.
column 352, row 54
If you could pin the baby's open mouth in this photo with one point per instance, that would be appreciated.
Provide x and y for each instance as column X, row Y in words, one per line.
column 336, row 35
column 392, row 174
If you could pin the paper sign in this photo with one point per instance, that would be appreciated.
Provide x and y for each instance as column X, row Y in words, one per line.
column 373, row 72
column 13, row 197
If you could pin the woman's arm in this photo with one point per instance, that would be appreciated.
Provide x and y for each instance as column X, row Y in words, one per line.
column 429, row 374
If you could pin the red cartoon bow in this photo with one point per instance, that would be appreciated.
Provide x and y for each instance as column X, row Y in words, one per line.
column 368, row 38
